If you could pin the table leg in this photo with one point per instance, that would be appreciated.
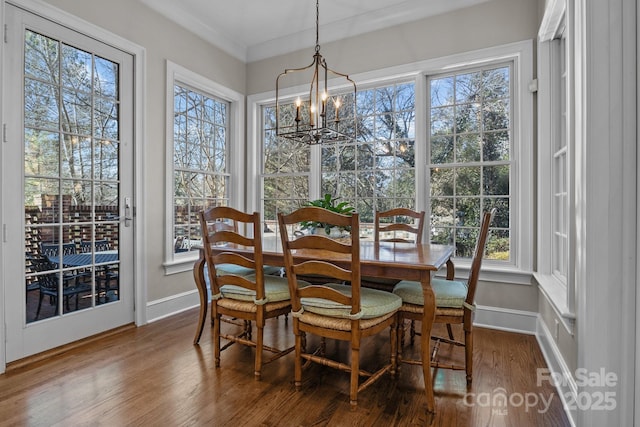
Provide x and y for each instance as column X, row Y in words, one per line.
column 451, row 270
column 427, row 323
column 198, row 275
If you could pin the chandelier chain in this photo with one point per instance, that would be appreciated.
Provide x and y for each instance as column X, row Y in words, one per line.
column 317, row 26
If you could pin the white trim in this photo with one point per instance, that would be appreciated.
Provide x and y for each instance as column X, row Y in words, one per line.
column 555, row 294
column 606, row 212
column 172, row 305
column 236, row 163
column 506, row 319
column 567, row 391
column 553, row 14
column 560, row 295
column 3, row 281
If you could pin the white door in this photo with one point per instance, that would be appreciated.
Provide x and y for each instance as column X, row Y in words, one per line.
column 68, row 185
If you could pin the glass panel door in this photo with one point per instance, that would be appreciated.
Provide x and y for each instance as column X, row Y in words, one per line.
column 71, row 146
column 76, row 168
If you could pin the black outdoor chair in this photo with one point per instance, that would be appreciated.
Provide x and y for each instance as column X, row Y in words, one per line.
column 48, row 283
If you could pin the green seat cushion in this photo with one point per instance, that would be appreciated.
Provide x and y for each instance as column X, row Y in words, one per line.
column 449, row 293
column 275, row 289
column 272, row 269
column 238, row 270
column 373, row 303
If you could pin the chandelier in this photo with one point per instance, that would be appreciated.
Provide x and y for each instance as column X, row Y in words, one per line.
column 320, row 117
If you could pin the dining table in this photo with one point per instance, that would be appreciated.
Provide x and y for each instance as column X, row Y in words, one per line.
column 85, row 258
column 395, row 260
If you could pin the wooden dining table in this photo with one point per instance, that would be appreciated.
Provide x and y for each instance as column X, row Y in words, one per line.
column 402, row 261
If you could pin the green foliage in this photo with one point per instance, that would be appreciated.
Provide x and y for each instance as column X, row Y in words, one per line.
column 328, row 203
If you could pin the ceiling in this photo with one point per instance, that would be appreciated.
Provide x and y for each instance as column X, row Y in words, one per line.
column 252, row 30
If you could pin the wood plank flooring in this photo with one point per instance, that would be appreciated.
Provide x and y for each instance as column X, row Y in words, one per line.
column 154, row 376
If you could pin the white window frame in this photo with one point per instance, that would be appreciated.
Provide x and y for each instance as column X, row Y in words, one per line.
column 559, row 290
column 521, row 53
column 511, row 162
column 176, row 74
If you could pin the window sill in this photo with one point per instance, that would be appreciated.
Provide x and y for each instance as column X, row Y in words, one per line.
column 491, row 273
column 180, row 265
column 556, row 293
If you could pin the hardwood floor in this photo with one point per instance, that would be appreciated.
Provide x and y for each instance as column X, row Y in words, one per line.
column 154, row 375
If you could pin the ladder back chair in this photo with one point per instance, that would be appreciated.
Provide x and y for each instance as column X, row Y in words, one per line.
column 249, row 298
column 455, row 304
column 395, row 225
column 334, row 310
column 406, row 221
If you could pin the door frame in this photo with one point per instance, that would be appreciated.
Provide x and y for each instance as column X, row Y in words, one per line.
column 139, row 141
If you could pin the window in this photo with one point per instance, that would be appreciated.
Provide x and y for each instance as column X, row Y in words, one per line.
column 470, row 157
column 559, row 165
column 555, row 160
column 286, row 167
column 201, row 120
column 200, row 145
column 469, row 150
column 373, row 172
column 376, row 171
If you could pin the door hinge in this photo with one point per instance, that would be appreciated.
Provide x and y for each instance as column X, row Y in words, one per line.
column 4, row 233
column 533, row 86
column 6, row 30
column 4, row 133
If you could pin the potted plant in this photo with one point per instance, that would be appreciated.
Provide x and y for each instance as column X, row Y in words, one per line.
column 329, row 203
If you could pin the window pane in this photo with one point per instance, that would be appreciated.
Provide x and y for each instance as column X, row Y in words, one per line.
column 200, row 153
column 471, row 161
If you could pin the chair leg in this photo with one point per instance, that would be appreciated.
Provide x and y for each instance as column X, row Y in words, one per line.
column 468, row 354
column 259, row 346
column 298, row 358
column 450, row 331
column 394, row 346
column 216, row 339
column 412, row 331
column 355, row 370
column 39, row 305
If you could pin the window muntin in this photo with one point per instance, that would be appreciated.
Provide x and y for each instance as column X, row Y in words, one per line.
column 377, row 171
column 286, row 167
column 200, row 159
column 470, row 162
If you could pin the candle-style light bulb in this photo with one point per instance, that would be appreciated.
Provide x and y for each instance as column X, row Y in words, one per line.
column 298, row 105
column 312, row 113
column 324, row 102
column 337, row 104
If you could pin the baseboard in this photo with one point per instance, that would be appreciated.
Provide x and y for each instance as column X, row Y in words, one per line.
column 165, row 307
column 506, row 319
column 567, row 388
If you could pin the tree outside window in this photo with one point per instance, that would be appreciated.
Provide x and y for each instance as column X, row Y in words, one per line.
column 200, row 177
column 470, row 158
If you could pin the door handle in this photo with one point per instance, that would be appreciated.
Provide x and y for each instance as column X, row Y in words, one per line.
column 127, row 212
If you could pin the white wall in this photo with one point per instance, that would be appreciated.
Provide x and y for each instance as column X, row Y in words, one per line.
column 485, row 25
